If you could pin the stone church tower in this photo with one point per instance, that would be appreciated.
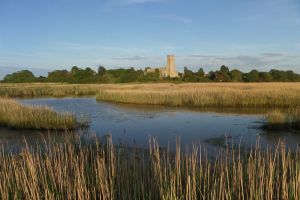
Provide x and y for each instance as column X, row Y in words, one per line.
column 171, row 68
column 168, row 71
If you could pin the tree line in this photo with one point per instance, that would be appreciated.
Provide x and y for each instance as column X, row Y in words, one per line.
column 103, row 75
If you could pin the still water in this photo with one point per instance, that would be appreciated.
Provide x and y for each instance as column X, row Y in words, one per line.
column 133, row 124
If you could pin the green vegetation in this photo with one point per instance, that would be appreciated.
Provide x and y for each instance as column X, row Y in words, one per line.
column 15, row 115
column 241, row 95
column 79, row 170
column 24, row 76
column 87, row 75
column 279, row 120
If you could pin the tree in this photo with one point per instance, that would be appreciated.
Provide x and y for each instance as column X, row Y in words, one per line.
column 190, row 76
column 201, row 73
column 59, row 76
column 224, row 69
column 23, row 76
column 279, row 75
column 187, row 72
column 74, row 69
column 265, row 77
column 101, row 70
column 86, row 75
column 236, row 75
column 252, row 76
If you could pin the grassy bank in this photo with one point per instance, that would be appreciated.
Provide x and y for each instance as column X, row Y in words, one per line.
column 208, row 95
column 15, row 115
column 77, row 171
column 47, row 90
column 283, row 120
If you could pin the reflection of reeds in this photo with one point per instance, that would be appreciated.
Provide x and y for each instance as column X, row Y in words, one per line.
column 94, row 171
column 208, row 95
column 15, row 115
column 276, row 119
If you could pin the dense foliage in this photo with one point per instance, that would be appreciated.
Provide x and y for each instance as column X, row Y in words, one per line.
column 87, row 75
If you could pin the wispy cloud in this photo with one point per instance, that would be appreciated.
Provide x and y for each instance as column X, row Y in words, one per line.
column 174, row 18
column 133, row 58
column 276, row 11
column 264, row 61
column 128, row 2
column 117, row 3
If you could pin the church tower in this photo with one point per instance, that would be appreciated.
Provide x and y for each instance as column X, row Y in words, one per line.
column 171, row 67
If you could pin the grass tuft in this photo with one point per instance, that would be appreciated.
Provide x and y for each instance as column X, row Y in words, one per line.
column 15, row 115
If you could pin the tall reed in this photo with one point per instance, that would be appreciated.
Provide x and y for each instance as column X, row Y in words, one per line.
column 278, row 119
column 208, row 95
column 75, row 170
column 189, row 94
column 15, row 115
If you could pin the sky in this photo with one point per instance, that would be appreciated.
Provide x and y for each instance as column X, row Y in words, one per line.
column 43, row 35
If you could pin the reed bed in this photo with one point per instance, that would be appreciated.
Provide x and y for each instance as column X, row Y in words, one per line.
column 76, row 170
column 15, row 115
column 188, row 94
column 209, row 95
column 278, row 119
column 47, row 90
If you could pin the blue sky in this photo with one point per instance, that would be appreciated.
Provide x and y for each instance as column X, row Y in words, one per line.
column 54, row 34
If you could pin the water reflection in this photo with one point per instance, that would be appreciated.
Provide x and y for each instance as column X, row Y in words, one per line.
column 133, row 124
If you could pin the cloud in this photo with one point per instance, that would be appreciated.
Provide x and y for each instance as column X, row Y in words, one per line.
column 275, row 12
column 133, row 58
column 119, row 3
column 175, row 18
column 129, row 2
column 265, row 61
column 262, row 62
column 273, row 54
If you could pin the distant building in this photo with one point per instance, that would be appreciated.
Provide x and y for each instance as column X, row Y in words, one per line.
column 168, row 71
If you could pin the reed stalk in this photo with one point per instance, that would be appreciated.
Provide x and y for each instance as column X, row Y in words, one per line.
column 15, row 115
column 95, row 170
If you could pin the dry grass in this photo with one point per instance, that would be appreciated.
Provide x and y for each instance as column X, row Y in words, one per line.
column 288, row 119
column 189, row 94
column 207, row 95
column 47, row 90
column 15, row 115
column 78, row 171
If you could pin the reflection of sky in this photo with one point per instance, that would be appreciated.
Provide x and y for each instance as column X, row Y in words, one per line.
column 136, row 124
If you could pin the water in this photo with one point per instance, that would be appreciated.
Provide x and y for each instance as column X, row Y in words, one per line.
column 133, row 124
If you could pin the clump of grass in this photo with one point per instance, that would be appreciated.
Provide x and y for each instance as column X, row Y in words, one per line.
column 75, row 170
column 279, row 120
column 15, row 115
